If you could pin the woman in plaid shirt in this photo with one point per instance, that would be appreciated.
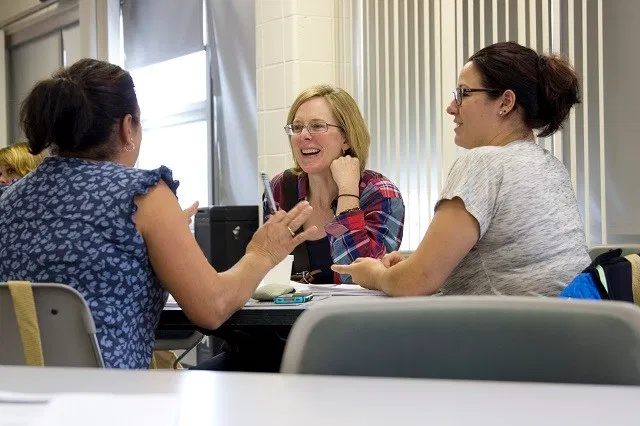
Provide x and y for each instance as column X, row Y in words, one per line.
column 360, row 211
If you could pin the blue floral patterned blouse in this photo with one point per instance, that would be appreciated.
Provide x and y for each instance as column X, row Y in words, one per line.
column 71, row 221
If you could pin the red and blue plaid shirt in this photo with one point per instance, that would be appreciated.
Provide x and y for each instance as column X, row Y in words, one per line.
column 372, row 231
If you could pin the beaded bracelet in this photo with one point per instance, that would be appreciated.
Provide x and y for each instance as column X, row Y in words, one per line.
column 355, row 209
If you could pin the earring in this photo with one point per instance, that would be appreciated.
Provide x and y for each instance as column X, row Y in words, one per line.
column 501, row 112
column 130, row 146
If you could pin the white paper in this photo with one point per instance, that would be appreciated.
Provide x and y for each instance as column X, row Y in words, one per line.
column 171, row 302
column 341, row 290
column 95, row 409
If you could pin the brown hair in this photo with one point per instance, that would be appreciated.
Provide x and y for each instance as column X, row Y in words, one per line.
column 19, row 158
column 348, row 116
column 546, row 86
column 77, row 111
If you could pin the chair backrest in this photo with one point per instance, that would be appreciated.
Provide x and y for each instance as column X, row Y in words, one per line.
column 595, row 251
column 470, row 338
column 67, row 330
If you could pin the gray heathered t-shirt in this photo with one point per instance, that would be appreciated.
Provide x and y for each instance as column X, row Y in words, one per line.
column 532, row 239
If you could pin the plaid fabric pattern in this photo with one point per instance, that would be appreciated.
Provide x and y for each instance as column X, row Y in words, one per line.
column 372, row 231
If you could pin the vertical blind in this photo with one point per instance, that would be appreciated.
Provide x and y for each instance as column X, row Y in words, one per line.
column 408, row 54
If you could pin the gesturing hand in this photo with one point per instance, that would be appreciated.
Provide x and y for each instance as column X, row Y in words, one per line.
column 275, row 239
column 392, row 258
column 365, row 271
column 190, row 211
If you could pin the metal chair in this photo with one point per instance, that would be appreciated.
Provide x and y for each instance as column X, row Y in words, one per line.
column 171, row 340
column 67, row 330
column 470, row 338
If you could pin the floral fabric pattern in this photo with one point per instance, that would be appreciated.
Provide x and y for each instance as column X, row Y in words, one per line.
column 71, row 222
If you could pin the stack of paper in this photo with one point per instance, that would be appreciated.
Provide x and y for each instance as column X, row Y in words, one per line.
column 342, row 290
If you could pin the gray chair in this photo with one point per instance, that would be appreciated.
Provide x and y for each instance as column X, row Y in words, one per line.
column 595, row 251
column 168, row 341
column 470, row 338
column 186, row 342
column 67, row 330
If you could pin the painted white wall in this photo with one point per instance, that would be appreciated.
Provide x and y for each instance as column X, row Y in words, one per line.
column 296, row 47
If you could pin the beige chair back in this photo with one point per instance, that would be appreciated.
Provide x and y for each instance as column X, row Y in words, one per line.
column 55, row 317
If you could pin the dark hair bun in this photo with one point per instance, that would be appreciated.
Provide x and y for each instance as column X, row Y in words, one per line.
column 559, row 90
column 78, row 109
column 546, row 87
column 58, row 112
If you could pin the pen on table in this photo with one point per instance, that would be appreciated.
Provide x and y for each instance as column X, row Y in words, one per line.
column 266, row 182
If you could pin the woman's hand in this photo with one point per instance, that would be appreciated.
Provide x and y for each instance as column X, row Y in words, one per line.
column 346, row 173
column 190, row 211
column 274, row 240
column 392, row 258
column 365, row 271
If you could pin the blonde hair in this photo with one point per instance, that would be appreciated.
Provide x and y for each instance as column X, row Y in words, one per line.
column 348, row 117
column 19, row 158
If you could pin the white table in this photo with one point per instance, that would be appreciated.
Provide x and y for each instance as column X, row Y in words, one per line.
column 211, row 398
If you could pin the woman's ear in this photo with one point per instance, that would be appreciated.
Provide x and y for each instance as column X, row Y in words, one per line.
column 508, row 102
column 127, row 129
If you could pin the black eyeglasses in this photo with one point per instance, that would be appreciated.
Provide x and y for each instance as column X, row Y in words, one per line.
column 313, row 127
column 459, row 92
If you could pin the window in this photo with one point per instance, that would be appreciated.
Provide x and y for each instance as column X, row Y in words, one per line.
column 174, row 111
column 194, row 86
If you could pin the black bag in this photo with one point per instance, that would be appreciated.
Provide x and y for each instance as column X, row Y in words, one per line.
column 301, row 265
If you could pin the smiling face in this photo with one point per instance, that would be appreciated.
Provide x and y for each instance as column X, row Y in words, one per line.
column 477, row 117
column 314, row 152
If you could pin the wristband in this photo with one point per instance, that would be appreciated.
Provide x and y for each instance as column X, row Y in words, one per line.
column 355, row 209
column 349, row 195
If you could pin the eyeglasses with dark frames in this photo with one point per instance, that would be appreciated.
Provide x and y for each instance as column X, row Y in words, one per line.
column 459, row 92
column 313, row 127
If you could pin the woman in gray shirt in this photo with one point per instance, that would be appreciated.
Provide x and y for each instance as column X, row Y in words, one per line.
column 507, row 220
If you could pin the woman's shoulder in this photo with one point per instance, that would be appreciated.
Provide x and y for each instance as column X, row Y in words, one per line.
column 485, row 159
column 109, row 174
column 278, row 180
column 380, row 182
column 501, row 154
column 373, row 177
column 484, row 153
column 149, row 178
